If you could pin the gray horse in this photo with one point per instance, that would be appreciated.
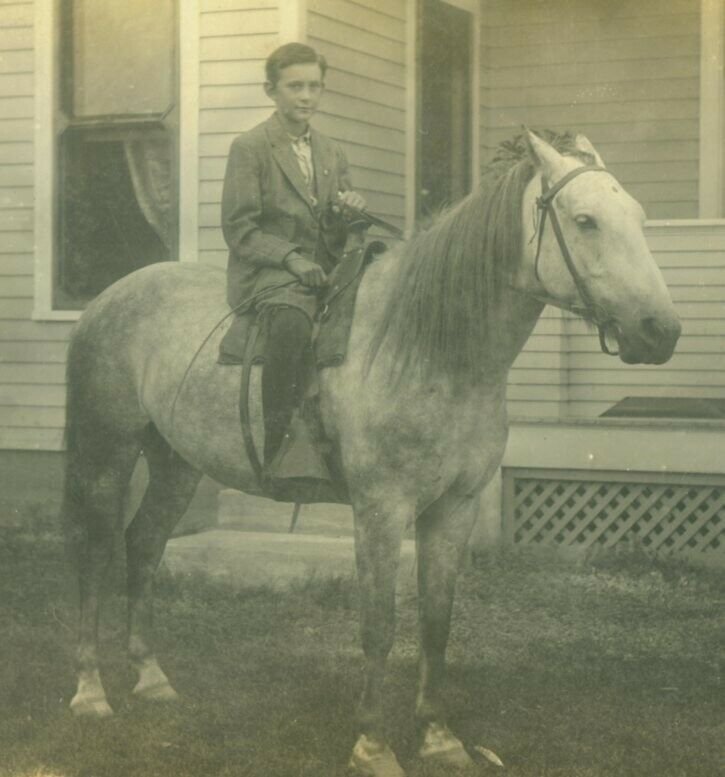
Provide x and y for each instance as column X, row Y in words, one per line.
column 417, row 413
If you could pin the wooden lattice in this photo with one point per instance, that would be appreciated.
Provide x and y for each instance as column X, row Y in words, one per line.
column 658, row 516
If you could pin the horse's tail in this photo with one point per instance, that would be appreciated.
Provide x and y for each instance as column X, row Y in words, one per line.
column 72, row 507
column 85, row 440
column 70, row 433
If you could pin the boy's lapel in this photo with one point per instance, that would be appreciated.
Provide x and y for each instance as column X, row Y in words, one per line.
column 323, row 158
column 285, row 158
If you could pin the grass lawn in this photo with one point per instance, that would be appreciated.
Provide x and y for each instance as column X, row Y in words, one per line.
column 563, row 670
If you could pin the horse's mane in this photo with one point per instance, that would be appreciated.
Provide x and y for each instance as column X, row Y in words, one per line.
column 440, row 297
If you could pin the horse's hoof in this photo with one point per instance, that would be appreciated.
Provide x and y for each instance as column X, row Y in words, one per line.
column 373, row 759
column 90, row 707
column 153, row 684
column 157, row 692
column 441, row 747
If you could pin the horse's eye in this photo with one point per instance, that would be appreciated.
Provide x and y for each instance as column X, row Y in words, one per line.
column 585, row 222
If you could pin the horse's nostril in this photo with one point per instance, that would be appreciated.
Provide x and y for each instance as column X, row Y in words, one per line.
column 653, row 331
column 660, row 333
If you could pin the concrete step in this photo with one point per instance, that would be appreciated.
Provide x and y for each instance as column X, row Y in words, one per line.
column 276, row 560
column 244, row 512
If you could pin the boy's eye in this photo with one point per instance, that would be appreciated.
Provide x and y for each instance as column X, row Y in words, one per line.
column 296, row 86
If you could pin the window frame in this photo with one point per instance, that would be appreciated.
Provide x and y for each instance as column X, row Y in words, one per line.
column 47, row 127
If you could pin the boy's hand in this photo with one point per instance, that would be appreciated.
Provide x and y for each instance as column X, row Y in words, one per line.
column 351, row 199
column 309, row 273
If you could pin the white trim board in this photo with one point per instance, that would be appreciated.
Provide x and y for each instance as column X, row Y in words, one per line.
column 45, row 45
column 664, row 446
column 712, row 108
column 411, row 112
column 189, row 130
column 293, row 21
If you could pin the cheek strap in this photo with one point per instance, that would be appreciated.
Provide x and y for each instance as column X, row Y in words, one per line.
column 545, row 203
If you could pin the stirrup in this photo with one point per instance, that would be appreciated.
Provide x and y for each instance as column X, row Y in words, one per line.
column 298, row 456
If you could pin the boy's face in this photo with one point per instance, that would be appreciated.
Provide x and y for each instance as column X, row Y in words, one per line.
column 297, row 93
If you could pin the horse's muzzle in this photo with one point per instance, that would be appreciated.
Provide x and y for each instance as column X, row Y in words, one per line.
column 651, row 341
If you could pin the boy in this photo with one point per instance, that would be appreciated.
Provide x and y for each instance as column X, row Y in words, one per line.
column 281, row 177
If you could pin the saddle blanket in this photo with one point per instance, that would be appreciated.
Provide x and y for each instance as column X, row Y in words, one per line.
column 332, row 332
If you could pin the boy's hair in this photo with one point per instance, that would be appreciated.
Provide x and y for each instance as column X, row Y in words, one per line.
column 292, row 54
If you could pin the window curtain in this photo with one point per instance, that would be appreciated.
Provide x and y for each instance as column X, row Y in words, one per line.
column 149, row 163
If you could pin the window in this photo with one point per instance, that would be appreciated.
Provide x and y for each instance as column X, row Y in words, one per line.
column 444, row 118
column 115, row 144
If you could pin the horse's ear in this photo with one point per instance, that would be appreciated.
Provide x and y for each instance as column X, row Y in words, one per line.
column 582, row 143
column 545, row 157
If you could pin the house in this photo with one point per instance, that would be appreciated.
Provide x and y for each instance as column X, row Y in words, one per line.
column 116, row 119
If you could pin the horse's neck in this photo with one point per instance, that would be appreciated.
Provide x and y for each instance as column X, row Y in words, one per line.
column 373, row 295
column 516, row 315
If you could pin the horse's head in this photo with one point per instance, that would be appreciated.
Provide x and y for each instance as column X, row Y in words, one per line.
column 591, row 256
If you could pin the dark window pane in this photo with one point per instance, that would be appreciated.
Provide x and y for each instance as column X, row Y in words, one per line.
column 113, row 219
column 444, row 155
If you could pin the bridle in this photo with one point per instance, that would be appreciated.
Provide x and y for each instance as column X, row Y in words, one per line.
column 545, row 204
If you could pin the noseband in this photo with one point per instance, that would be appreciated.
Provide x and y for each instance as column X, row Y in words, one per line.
column 545, row 203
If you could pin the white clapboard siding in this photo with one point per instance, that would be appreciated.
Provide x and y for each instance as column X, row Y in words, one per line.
column 364, row 106
column 14, row 353
column 625, row 74
column 40, row 375
column 537, row 381
column 32, row 354
column 504, row 14
column 235, row 38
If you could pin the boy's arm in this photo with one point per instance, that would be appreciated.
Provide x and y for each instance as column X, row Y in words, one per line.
column 242, row 211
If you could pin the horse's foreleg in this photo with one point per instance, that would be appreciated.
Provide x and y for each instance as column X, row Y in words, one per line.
column 378, row 537
column 442, row 532
column 92, row 506
column 172, row 484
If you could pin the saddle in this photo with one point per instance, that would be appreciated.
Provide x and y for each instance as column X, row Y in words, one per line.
column 304, row 470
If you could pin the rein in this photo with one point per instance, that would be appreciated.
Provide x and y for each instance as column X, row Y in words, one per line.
column 545, row 203
column 240, row 308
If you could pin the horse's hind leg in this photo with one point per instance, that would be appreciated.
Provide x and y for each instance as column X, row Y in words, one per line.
column 442, row 533
column 172, row 483
column 97, row 473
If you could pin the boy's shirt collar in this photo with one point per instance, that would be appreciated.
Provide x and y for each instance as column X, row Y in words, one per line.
column 305, row 137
